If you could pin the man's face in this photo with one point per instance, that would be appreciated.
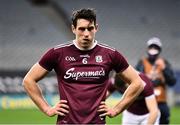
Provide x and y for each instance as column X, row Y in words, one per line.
column 85, row 33
column 153, row 53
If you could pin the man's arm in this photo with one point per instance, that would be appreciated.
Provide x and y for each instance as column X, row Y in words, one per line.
column 136, row 86
column 30, row 84
column 152, row 108
column 167, row 71
column 169, row 74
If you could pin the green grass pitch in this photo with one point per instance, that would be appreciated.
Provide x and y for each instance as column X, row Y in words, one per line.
column 34, row 116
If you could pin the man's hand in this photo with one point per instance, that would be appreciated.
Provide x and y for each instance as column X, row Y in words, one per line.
column 61, row 108
column 104, row 110
column 160, row 63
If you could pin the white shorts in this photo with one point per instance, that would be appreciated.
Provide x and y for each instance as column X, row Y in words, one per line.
column 129, row 118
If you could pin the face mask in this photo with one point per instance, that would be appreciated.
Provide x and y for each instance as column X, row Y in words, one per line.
column 153, row 54
column 153, row 51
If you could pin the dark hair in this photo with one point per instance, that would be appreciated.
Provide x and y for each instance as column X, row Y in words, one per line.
column 88, row 14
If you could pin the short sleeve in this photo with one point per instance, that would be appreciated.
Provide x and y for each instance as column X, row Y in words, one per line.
column 49, row 59
column 148, row 89
column 119, row 62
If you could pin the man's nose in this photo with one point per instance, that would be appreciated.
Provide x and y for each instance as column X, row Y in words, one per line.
column 86, row 32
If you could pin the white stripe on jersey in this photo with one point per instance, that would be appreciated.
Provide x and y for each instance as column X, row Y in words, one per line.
column 63, row 45
column 71, row 43
column 106, row 46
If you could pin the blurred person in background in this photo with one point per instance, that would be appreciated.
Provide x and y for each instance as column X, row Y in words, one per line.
column 82, row 67
column 160, row 72
column 144, row 110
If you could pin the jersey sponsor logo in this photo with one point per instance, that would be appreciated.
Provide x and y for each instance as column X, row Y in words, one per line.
column 71, row 73
column 99, row 59
column 70, row 58
column 86, row 55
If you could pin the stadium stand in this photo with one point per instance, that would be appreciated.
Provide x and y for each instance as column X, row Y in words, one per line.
column 26, row 31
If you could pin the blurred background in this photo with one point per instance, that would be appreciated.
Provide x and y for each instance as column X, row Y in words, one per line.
column 29, row 27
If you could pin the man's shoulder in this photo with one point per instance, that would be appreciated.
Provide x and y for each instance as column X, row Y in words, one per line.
column 106, row 47
column 63, row 45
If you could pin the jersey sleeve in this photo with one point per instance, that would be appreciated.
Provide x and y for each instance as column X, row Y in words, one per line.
column 119, row 62
column 148, row 89
column 49, row 59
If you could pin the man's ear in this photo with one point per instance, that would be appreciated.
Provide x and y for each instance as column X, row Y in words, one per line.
column 97, row 26
column 73, row 28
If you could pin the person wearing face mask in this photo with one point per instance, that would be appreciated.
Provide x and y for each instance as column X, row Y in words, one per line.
column 160, row 72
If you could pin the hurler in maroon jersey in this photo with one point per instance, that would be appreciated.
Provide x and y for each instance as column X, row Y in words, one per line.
column 82, row 67
column 144, row 110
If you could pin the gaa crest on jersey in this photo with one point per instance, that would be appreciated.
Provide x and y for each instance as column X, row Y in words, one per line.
column 99, row 58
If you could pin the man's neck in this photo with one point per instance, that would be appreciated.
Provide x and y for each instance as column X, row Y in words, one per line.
column 84, row 49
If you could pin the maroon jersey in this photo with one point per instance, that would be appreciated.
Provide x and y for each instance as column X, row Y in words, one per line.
column 82, row 78
column 138, row 107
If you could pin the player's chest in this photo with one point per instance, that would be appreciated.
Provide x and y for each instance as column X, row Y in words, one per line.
column 84, row 66
column 84, row 61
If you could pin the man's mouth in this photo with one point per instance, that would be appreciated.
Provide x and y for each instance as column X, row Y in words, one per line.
column 86, row 40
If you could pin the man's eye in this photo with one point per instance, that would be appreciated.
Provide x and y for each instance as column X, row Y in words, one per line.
column 82, row 29
column 90, row 28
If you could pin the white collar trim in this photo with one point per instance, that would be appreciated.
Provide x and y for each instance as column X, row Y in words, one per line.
column 95, row 43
